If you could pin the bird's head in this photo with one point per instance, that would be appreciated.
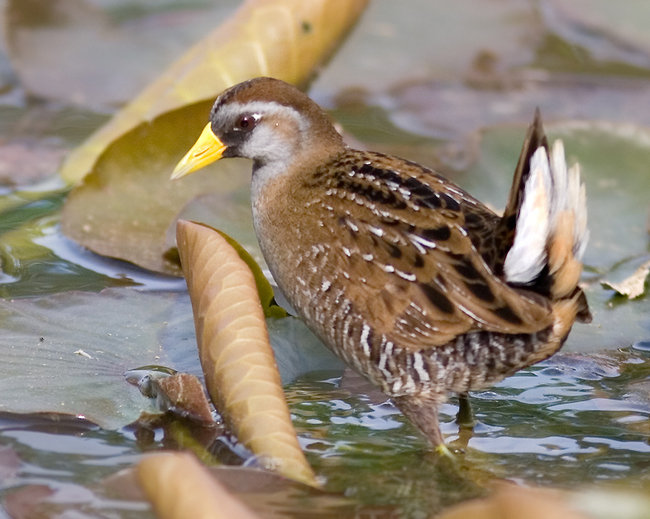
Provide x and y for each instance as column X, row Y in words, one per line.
column 265, row 120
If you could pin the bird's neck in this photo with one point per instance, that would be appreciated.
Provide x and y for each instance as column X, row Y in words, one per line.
column 280, row 202
column 273, row 177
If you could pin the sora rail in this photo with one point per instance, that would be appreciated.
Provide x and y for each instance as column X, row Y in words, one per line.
column 412, row 281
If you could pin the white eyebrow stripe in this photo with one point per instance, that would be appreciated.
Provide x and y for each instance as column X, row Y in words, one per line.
column 231, row 109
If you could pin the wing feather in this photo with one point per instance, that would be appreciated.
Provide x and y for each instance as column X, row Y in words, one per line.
column 421, row 278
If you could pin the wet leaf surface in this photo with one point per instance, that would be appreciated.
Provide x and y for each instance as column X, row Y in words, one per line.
column 70, row 352
column 45, row 371
column 127, row 207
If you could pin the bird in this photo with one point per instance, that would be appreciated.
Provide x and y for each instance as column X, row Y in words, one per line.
column 413, row 282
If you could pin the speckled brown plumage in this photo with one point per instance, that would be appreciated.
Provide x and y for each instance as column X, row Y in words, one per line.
column 399, row 271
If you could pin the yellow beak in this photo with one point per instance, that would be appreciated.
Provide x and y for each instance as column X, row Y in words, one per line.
column 206, row 150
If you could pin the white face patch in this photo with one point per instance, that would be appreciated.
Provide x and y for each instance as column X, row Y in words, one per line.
column 229, row 111
column 273, row 143
column 268, row 140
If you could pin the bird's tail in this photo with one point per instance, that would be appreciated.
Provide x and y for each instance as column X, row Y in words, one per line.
column 546, row 217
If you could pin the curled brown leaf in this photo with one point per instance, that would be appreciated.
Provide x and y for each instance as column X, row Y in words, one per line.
column 236, row 356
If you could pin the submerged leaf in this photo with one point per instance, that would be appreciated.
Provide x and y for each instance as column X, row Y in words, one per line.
column 178, row 486
column 25, row 162
column 24, row 502
column 509, row 502
column 9, row 464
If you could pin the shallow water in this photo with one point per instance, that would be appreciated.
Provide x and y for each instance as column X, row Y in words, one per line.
column 571, row 423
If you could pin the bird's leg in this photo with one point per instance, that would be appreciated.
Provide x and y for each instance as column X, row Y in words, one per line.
column 465, row 417
column 423, row 412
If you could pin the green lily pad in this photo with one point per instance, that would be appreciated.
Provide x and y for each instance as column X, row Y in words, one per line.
column 69, row 352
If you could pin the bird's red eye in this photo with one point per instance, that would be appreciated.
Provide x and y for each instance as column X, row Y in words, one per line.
column 247, row 122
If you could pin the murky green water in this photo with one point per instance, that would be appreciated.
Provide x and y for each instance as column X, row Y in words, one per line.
column 579, row 421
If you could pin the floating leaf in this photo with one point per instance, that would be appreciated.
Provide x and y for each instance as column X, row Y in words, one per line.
column 632, row 286
column 608, row 31
column 68, row 353
column 89, row 341
column 178, row 486
column 237, row 359
column 393, row 46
